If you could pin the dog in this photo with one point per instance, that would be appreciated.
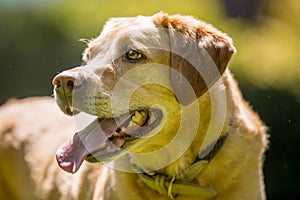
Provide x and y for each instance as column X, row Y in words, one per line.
column 165, row 120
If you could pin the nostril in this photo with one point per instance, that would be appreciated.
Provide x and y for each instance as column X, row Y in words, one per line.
column 56, row 83
column 70, row 84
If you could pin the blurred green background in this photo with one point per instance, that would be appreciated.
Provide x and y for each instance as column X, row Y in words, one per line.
column 39, row 38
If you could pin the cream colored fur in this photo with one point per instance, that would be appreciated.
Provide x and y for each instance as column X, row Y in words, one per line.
column 32, row 129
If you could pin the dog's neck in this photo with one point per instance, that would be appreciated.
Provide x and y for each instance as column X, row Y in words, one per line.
column 182, row 185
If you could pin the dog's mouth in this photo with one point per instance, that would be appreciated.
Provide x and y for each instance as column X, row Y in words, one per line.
column 105, row 138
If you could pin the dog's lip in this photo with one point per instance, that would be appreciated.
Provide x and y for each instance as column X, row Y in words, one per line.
column 97, row 137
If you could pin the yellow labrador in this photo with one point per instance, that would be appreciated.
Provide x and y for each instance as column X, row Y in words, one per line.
column 166, row 120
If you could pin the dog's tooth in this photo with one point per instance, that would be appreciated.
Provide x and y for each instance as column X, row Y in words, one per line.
column 71, row 108
column 123, row 129
column 131, row 124
column 115, row 134
column 143, row 114
column 137, row 117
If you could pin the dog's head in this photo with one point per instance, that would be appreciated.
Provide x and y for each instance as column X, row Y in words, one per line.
column 136, row 78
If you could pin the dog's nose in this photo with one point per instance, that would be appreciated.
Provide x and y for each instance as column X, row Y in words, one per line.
column 66, row 81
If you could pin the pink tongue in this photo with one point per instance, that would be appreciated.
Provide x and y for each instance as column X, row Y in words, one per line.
column 71, row 154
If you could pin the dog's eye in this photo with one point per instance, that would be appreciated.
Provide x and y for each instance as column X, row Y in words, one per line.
column 133, row 55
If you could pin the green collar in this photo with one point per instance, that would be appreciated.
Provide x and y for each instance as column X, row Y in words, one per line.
column 183, row 185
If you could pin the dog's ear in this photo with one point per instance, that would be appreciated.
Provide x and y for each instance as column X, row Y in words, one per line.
column 199, row 55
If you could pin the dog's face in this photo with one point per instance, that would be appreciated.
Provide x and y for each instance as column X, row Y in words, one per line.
column 137, row 77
